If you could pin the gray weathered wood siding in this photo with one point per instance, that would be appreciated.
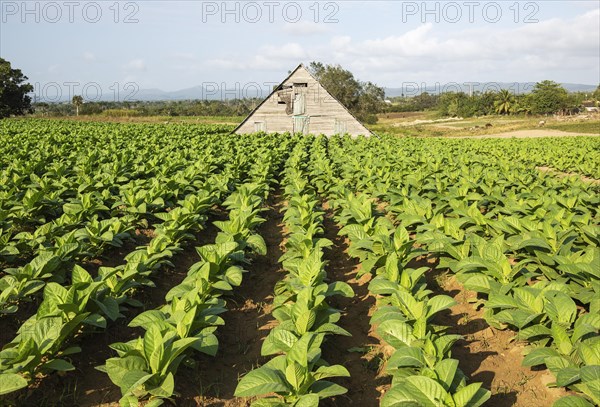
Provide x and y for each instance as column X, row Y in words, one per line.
column 321, row 108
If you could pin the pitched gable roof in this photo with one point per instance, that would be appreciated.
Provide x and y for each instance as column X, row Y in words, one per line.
column 279, row 87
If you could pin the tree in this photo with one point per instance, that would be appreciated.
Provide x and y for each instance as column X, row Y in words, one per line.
column 77, row 101
column 548, row 97
column 363, row 99
column 596, row 94
column 13, row 91
column 505, row 101
column 424, row 101
column 370, row 102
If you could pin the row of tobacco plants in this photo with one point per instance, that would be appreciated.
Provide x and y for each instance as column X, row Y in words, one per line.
column 525, row 241
column 99, row 189
column 296, row 375
column 420, row 365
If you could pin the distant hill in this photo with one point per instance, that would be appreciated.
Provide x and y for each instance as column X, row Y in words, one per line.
column 200, row 93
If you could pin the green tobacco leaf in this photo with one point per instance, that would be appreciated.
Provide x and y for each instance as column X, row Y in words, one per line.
column 261, row 381
column 207, row 343
column 590, row 353
column 147, row 318
column 295, row 374
column 382, row 286
column 572, row 401
column 439, row 303
column 278, row 340
column 332, row 329
column 340, row 288
column 166, row 388
column 129, row 401
column 537, row 356
column 10, row 382
column 325, row 389
column 567, row 376
column 590, row 373
column 305, row 321
column 406, row 357
column 307, row 400
column 396, row 333
column 234, row 275
column 426, row 391
column 324, row 372
column 471, row 396
column 154, row 403
column 398, row 396
column 109, row 307
column 95, row 320
column 258, row 244
column 117, row 368
column 59, row 365
column 560, row 307
column 447, row 370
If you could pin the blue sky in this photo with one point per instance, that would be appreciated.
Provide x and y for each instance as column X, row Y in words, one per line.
column 178, row 44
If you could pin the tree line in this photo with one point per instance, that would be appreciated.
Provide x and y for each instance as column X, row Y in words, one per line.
column 173, row 108
column 547, row 97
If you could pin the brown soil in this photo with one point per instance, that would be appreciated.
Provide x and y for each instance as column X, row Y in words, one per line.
column 399, row 115
column 360, row 353
column 568, row 174
column 531, row 134
column 10, row 323
column 247, row 323
column 489, row 355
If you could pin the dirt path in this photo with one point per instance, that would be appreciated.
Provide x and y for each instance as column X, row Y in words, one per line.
column 359, row 353
column 531, row 134
column 247, row 323
column 488, row 355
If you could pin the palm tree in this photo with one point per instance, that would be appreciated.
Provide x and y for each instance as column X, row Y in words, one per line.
column 504, row 102
column 77, row 101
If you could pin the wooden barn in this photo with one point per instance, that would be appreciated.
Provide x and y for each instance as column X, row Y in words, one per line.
column 301, row 105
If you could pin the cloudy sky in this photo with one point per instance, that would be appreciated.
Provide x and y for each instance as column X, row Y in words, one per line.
column 175, row 45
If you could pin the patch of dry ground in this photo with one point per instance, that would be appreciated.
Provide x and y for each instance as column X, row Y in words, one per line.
column 489, row 355
column 361, row 353
column 532, row 134
column 247, row 322
column 568, row 174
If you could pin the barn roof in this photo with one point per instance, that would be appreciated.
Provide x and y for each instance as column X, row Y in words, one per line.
column 278, row 87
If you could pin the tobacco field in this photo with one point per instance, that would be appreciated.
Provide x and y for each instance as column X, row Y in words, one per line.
column 155, row 264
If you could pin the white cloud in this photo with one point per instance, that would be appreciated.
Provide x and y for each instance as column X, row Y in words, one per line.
column 557, row 48
column 428, row 52
column 305, row 28
column 290, row 50
column 136, row 64
column 340, row 42
column 269, row 57
column 88, row 56
column 185, row 56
